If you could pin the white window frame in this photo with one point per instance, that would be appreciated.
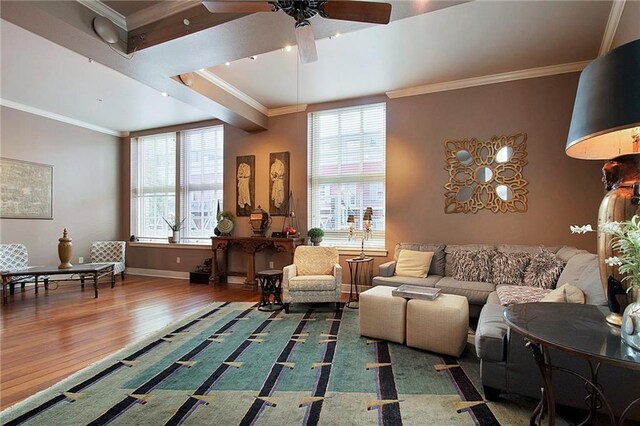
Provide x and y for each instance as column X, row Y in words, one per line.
column 180, row 188
column 339, row 237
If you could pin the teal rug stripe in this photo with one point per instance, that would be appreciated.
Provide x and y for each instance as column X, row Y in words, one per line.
column 266, row 369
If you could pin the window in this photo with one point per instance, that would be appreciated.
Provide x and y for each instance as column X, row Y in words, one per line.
column 346, row 172
column 177, row 175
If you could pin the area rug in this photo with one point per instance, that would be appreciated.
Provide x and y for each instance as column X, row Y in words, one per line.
column 231, row 364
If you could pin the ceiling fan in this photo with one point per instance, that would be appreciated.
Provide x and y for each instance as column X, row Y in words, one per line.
column 303, row 10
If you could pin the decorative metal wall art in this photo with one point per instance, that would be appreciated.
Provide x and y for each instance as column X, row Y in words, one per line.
column 486, row 175
column 26, row 190
column 279, row 184
column 245, row 185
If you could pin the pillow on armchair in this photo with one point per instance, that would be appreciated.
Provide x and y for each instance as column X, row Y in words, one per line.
column 314, row 260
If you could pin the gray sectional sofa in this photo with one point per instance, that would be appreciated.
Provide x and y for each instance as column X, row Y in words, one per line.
column 505, row 363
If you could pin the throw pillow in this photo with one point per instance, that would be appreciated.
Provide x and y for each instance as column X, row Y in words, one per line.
column 544, row 270
column 509, row 268
column 472, row 265
column 566, row 293
column 511, row 294
column 413, row 263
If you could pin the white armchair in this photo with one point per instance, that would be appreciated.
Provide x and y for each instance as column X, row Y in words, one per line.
column 314, row 277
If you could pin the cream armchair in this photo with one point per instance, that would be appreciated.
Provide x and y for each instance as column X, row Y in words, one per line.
column 314, row 277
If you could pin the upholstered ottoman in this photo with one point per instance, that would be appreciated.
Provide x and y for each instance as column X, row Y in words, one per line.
column 382, row 315
column 439, row 325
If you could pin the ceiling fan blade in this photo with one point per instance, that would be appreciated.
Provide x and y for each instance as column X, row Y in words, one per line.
column 306, row 44
column 359, row 11
column 237, row 6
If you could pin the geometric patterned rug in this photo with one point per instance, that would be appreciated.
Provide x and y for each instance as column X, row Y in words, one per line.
column 230, row 364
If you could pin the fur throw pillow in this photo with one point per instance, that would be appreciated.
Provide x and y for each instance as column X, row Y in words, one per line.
column 472, row 265
column 509, row 268
column 544, row 270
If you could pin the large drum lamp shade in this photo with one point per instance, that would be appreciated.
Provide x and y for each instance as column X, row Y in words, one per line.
column 606, row 113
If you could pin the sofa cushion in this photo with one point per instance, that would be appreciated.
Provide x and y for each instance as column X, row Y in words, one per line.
column 523, row 248
column 491, row 334
column 452, row 248
column 312, row 260
column 582, row 271
column 476, row 292
column 396, row 281
column 472, row 265
column 493, row 298
column 566, row 293
column 412, row 263
column 508, row 268
column 512, row 294
column 544, row 270
column 437, row 266
column 567, row 252
column 312, row 283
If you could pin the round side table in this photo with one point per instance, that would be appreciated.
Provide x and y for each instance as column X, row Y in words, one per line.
column 270, row 290
column 361, row 273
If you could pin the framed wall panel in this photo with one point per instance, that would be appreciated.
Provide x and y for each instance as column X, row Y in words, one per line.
column 26, row 190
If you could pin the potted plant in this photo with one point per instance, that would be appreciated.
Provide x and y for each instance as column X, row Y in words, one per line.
column 175, row 226
column 315, row 235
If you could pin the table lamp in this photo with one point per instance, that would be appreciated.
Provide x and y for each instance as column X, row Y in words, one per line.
column 605, row 125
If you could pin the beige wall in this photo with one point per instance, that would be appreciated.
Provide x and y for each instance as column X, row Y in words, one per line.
column 628, row 28
column 86, row 179
column 562, row 191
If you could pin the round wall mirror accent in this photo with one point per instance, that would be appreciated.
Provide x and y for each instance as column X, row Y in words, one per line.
column 464, row 157
column 504, row 154
column 464, row 193
column 484, row 174
column 504, row 192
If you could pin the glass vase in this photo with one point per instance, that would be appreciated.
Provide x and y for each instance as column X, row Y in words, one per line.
column 631, row 322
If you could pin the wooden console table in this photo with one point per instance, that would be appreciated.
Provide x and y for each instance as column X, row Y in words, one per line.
column 249, row 245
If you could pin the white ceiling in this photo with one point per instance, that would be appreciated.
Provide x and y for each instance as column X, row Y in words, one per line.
column 463, row 41
column 42, row 75
column 468, row 40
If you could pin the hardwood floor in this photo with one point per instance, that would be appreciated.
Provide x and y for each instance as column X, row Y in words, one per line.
column 46, row 337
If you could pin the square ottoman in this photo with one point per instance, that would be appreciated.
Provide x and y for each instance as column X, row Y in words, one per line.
column 382, row 315
column 439, row 325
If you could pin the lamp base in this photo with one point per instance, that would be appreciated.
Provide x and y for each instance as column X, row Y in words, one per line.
column 614, row 319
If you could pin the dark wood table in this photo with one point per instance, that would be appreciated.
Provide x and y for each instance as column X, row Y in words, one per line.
column 361, row 274
column 577, row 330
column 249, row 245
column 76, row 273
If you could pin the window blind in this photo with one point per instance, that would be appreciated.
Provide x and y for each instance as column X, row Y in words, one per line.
column 201, row 181
column 153, row 192
column 346, row 172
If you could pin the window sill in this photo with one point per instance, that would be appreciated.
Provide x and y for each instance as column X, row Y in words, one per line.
column 350, row 251
column 167, row 245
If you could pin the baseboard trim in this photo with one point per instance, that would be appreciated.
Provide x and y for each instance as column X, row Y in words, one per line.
column 158, row 273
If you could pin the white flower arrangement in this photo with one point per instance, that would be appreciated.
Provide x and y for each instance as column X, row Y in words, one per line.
column 626, row 242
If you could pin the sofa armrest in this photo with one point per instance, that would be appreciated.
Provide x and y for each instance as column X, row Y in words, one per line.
column 288, row 272
column 337, row 272
column 491, row 334
column 387, row 269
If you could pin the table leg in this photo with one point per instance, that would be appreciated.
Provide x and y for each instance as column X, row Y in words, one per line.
column 5, row 284
column 214, row 268
column 353, row 289
column 95, row 284
column 113, row 278
column 547, row 403
column 251, row 268
column 35, row 283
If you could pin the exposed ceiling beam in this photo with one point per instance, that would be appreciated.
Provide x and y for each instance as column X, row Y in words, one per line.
column 612, row 26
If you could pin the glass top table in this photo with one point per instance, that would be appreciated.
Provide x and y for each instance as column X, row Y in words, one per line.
column 580, row 331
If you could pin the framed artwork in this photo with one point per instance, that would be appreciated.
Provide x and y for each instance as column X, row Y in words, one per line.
column 26, row 190
column 279, row 184
column 245, row 185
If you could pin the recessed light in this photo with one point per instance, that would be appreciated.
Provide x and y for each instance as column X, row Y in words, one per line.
column 227, row 63
column 186, row 21
column 165, row 94
column 99, row 99
column 288, row 48
column 254, row 57
column 337, row 34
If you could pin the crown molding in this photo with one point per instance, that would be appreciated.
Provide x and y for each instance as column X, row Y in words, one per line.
column 104, row 10
column 489, row 79
column 273, row 112
column 232, row 90
column 61, row 118
column 612, row 26
column 161, row 10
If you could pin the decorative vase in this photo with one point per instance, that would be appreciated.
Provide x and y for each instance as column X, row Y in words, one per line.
column 316, row 241
column 631, row 323
column 176, row 236
column 65, row 250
